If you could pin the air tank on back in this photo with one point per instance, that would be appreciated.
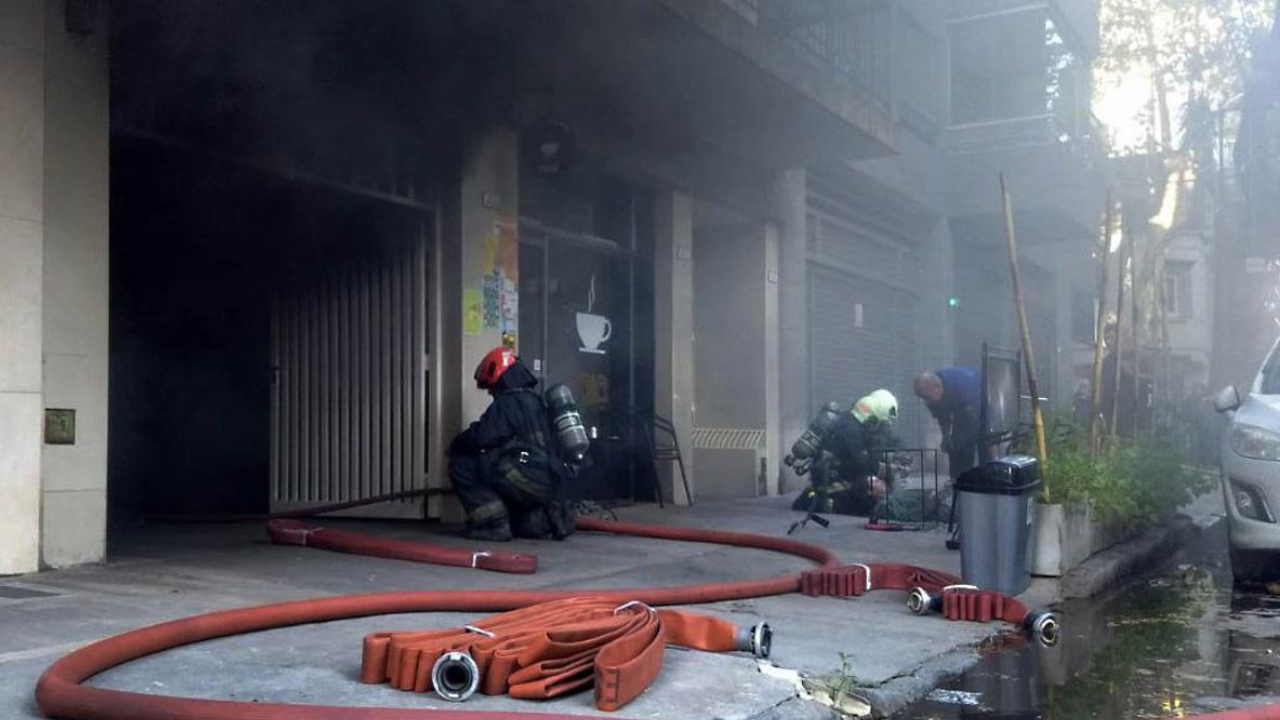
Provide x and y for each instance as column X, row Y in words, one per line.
column 806, row 449
column 570, row 433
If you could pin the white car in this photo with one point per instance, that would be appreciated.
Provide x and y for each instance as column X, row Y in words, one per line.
column 1251, row 472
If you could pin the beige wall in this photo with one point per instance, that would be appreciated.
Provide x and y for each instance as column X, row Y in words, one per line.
column 75, row 312
column 22, row 127
column 53, row 284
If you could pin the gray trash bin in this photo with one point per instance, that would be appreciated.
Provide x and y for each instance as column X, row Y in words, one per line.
column 997, row 512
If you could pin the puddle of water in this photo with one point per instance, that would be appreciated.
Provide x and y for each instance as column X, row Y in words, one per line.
column 1179, row 643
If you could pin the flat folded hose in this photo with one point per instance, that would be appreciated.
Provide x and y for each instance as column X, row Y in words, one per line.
column 59, row 692
column 550, row 649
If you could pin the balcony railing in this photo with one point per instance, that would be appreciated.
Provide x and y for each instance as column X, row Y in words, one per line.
column 849, row 39
column 853, row 44
column 1082, row 135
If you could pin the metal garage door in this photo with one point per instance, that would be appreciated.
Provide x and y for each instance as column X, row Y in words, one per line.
column 863, row 311
column 348, row 403
column 862, row 336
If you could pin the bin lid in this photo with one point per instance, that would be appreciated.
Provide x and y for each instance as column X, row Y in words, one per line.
column 1010, row 475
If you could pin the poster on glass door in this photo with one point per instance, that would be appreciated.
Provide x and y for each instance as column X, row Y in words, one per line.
column 593, row 330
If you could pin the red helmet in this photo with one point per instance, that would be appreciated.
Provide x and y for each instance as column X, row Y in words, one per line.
column 492, row 365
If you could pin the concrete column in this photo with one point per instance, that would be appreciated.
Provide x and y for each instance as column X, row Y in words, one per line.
column 75, row 279
column 489, row 195
column 937, row 338
column 772, row 376
column 484, row 194
column 792, row 337
column 673, row 330
column 937, row 321
column 22, row 128
column 736, row 355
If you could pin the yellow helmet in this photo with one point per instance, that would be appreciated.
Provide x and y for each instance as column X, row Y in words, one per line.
column 880, row 405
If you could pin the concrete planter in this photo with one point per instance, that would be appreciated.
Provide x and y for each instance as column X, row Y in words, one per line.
column 1068, row 534
column 1062, row 538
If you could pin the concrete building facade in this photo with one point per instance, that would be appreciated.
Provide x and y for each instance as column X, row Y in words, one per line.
column 258, row 253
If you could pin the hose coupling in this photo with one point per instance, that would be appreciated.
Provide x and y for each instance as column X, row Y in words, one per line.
column 455, row 676
column 920, row 602
column 1043, row 626
column 757, row 640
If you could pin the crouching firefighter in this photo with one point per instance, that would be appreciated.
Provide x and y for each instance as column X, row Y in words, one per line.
column 507, row 468
column 836, row 451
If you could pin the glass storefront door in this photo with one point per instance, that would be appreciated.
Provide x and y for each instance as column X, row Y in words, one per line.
column 575, row 328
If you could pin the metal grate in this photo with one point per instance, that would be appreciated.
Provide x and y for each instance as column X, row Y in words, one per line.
column 728, row 439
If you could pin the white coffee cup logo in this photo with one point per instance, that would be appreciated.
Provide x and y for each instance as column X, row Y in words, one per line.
column 593, row 330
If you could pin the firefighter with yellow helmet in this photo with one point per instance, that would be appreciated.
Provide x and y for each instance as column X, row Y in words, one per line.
column 837, row 452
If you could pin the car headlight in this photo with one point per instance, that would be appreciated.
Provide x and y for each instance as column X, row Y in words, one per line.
column 1254, row 442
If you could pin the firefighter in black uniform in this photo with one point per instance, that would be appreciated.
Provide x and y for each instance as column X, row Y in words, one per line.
column 506, row 467
column 848, row 477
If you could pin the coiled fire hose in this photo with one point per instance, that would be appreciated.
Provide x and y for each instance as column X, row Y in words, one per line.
column 60, row 694
column 551, row 649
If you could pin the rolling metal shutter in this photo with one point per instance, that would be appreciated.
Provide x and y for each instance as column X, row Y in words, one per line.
column 863, row 302
column 349, row 398
column 849, row 359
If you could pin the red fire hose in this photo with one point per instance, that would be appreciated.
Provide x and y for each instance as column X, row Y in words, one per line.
column 551, row 649
column 296, row 532
column 60, row 694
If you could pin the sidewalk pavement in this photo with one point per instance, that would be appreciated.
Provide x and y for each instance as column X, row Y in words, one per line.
column 164, row 572
column 871, row 645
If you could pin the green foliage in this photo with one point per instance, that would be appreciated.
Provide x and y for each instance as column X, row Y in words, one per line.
column 1198, row 51
column 1142, row 480
column 839, row 689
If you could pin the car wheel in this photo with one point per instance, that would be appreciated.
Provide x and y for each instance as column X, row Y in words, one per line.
column 1252, row 566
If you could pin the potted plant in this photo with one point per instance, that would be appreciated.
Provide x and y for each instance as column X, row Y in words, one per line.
column 1098, row 499
column 1064, row 515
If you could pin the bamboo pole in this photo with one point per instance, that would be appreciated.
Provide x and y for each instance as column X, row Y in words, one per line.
column 1020, row 303
column 1139, row 323
column 1095, row 429
column 1115, row 376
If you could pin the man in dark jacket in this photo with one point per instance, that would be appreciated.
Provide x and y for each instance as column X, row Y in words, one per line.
column 506, row 468
column 954, row 396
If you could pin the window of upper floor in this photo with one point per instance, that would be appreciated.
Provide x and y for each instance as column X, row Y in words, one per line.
column 1015, row 65
column 1177, row 292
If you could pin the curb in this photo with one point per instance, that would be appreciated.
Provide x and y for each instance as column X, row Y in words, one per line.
column 895, row 694
column 1102, row 572
column 1112, row 566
